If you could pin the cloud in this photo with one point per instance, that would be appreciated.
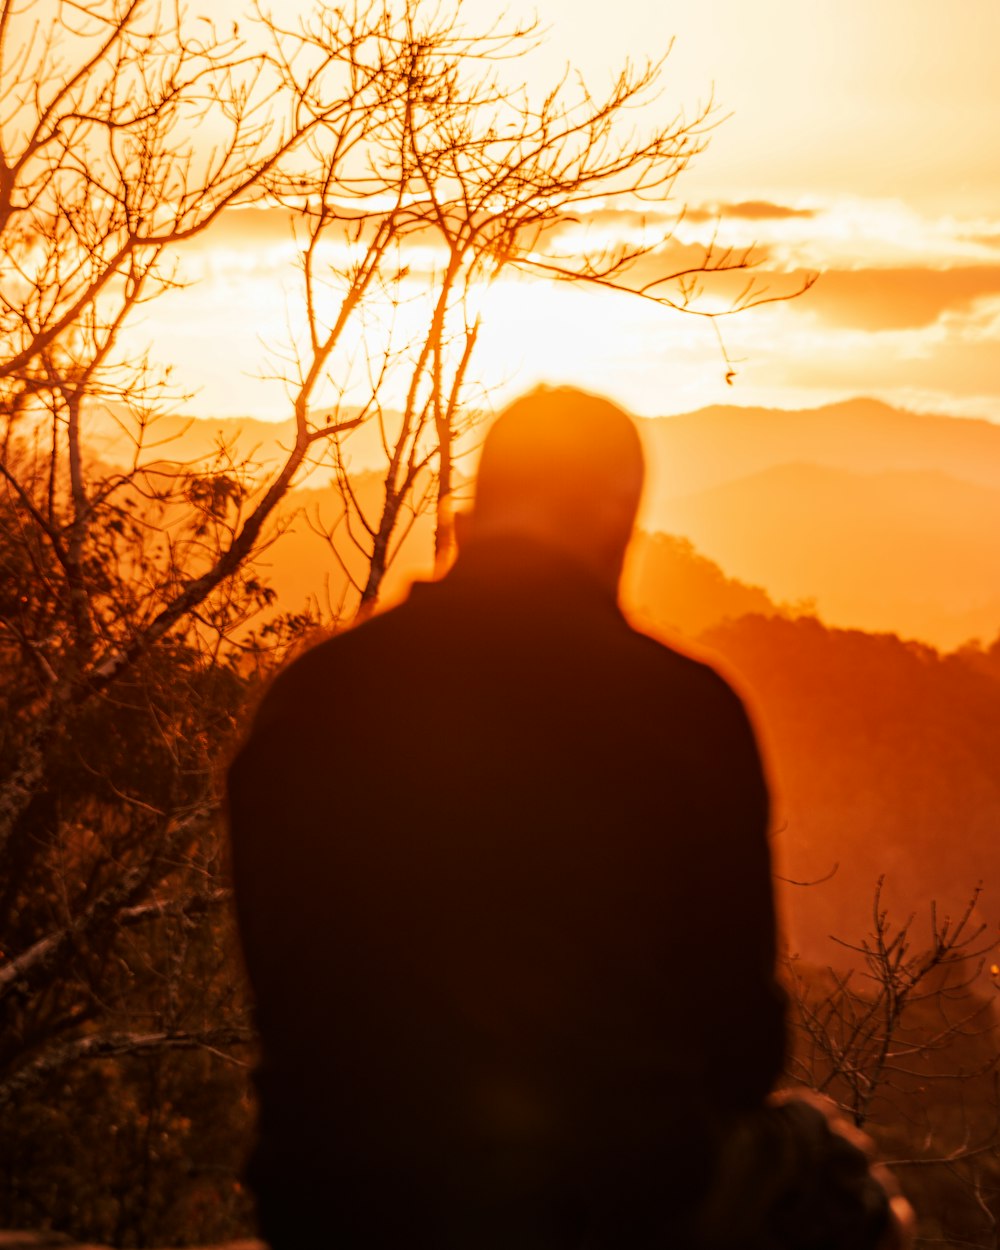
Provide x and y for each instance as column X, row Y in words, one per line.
column 262, row 225
column 897, row 299
column 623, row 223
column 627, row 218
column 953, row 359
column 748, row 210
column 252, row 224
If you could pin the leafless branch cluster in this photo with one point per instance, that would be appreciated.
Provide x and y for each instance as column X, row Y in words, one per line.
column 858, row 1035
column 439, row 181
column 904, row 1041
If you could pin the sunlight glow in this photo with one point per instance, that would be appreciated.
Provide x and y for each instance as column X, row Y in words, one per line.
column 793, row 182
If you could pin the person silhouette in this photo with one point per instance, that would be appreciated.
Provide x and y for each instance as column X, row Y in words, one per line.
column 503, row 885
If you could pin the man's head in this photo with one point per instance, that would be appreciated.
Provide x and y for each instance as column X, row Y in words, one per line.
column 564, row 467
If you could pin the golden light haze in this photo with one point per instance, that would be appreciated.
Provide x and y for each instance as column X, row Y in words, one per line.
column 853, row 139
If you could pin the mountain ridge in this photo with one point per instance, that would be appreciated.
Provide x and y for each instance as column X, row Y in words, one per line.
column 884, row 519
column 777, row 435
column 693, row 450
column 912, row 551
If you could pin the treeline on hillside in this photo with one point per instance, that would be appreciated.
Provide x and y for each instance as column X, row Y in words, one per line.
column 883, row 755
column 882, row 751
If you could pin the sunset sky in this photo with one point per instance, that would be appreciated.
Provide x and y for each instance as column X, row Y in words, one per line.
column 856, row 139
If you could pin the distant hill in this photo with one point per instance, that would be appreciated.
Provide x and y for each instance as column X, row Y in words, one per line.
column 880, row 518
column 111, row 437
column 699, row 450
column 670, row 589
column 916, row 551
column 884, row 760
column 687, row 453
column 872, row 516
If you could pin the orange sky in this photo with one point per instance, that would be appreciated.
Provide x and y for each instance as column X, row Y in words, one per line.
column 860, row 141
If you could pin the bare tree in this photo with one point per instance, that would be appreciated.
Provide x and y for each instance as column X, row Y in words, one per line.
column 122, row 585
column 904, row 1041
column 104, row 173
column 102, row 177
column 448, row 180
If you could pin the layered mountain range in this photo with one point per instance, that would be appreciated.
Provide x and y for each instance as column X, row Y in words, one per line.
column 881, row 519
column 872, row 517
column 776, row 543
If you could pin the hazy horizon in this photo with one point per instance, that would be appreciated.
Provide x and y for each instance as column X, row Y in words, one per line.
column 873, row 517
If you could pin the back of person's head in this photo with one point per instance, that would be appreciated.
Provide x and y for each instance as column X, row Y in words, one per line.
column 564, row 467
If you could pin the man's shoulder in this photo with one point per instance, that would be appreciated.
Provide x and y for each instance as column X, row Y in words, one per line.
column 680, row 667
column 324, row 671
